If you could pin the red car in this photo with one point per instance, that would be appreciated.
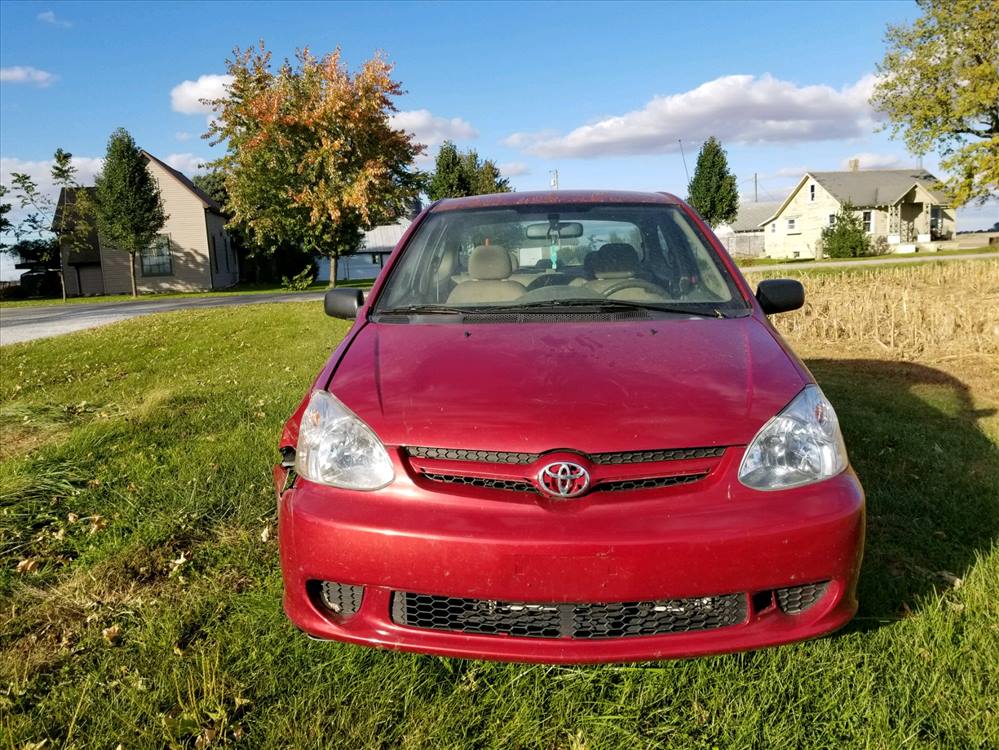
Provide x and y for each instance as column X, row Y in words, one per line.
column 562, row 429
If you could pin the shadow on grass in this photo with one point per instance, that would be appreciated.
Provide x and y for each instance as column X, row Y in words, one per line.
column 930, row 473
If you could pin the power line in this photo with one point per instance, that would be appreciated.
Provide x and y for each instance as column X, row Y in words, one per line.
column 682, row 156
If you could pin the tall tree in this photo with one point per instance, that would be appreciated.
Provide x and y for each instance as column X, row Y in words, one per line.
column 939, row 87
column 129, row 207
column 6, row 226
column 457, row 174
column 712, row 190
column 312, row 159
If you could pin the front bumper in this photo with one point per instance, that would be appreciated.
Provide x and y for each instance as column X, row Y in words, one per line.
column 676, row 543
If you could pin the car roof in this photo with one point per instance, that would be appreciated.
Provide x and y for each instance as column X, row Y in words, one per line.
column 550, row 197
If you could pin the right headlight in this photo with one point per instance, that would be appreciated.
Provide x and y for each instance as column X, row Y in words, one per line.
column 801, row 445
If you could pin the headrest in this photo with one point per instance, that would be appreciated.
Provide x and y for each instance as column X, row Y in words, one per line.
column 615, row 260
column 514, row 260
column 448, row 261
column 489, row 263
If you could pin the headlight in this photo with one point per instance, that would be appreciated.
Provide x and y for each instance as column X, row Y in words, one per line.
column 799, row 446
column 336, row 448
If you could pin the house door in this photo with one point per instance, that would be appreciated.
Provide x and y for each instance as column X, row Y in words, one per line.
column 91, row 280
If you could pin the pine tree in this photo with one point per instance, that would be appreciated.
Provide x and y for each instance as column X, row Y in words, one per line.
column 713, row 191
column 129, row 207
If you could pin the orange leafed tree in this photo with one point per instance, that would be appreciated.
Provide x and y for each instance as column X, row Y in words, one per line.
column 312, row 159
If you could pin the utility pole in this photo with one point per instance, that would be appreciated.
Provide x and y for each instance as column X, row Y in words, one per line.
column 680, row 141
column 554, row 182
column 756, row 192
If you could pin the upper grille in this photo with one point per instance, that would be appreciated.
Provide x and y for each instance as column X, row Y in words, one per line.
column 587, row 620
column 797, row 599
column 505, row 457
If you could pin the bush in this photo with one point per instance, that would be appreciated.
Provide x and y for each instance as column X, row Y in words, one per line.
column 300, row 282
column 846, row 238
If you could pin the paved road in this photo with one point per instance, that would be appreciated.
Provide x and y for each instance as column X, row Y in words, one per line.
column 886, row 261
column 27, row 323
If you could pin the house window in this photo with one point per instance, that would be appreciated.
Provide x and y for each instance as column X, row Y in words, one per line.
column 868, row 221
column 811, row 193
column 773, row 227
column 832, row 220
column 792, row 224
column 156, row 259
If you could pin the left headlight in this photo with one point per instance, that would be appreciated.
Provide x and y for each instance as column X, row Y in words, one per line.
column 801, row 445
column 337, row 448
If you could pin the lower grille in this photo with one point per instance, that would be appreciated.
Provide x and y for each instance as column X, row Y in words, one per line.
column 584, row 621
column 341, row 598
column 644, row 484
column 797, row 599
column 519, row 485
column 495, row 484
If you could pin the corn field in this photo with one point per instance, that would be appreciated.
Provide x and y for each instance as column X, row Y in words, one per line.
column 926, row 311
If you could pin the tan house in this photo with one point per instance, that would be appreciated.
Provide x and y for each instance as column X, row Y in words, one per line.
column 192, row 252
column 902, row 205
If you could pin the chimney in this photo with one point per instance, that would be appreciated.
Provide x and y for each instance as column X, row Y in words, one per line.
column 854, row 165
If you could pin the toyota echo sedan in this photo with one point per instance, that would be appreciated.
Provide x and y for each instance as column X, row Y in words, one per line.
column 562, row 429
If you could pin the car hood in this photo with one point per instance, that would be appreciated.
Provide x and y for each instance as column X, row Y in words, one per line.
column 590, row 387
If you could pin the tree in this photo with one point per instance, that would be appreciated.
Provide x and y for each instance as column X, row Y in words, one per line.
column 713, row 191
column 939, row 88
column 845, row 237
column 6, row 226
column 458, row 174
column 72, row 220
column 129, row 206
column 312, row 160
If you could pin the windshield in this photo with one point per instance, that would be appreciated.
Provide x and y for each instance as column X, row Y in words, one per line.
column 546, row 256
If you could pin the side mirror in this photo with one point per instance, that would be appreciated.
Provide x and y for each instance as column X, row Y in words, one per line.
column 780, row 295
column 343, row 303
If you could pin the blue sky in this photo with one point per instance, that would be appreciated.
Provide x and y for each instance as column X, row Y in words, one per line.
column 602, row 92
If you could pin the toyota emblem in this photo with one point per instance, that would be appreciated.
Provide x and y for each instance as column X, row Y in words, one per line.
column 564, row 479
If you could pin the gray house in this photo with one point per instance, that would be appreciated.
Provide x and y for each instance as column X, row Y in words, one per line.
column 193, row 252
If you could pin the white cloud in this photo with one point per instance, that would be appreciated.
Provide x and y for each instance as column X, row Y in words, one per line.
column 182, row 135
column 514, row 169
column 40, row 171
column 870, row 160
column 49, row 16
column 189, row 164
column 186, row 96
column 429, row 129
column 27, row 74
column 737, row 109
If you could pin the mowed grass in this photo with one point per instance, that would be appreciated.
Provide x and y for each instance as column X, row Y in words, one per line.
column 137, row 503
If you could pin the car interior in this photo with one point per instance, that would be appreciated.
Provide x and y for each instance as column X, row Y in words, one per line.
column 652, row 256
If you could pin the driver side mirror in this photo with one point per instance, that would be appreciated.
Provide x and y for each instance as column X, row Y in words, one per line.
column 780, row 295
column 343, row 303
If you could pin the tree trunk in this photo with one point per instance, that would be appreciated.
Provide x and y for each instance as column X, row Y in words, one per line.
column 62, row 283
column 334, row 261
column 131, row 269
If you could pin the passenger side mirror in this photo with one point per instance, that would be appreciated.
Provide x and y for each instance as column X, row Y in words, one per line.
column 780, row 295
column 343, row 303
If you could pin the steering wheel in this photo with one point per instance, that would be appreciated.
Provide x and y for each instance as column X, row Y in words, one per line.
column 549, row 279
column 642, row 284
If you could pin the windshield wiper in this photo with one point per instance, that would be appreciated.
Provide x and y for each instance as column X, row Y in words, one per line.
column 603, row 304
column 427, row 310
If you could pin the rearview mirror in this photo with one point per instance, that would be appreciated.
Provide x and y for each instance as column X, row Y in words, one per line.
column 780, row 295
column 343, row 303
column 566, row 230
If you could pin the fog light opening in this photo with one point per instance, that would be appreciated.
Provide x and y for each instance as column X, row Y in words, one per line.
column 340, row 599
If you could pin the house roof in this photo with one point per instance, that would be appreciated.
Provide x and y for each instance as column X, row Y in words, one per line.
column 869, row 187
column 751, row 215
column 385, row 237
column 200, row 194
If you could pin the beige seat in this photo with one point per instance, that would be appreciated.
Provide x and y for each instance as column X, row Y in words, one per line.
column 442, row 275
column 612, row 263
column 489, row 269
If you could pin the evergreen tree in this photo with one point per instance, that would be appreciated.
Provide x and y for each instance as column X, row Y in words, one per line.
column 458, row 174
column 845, row 237
column 129, row 207
column 713, row 191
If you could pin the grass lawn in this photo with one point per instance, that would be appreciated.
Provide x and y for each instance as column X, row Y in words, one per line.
column 249, row 288
column 135, row 498
column 750, row 262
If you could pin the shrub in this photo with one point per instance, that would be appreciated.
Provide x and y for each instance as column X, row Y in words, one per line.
column 846, row 238
column 300, row 281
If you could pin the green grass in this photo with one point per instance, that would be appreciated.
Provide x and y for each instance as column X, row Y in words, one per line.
column 248, row 288
column 136, row 478
column 750, row 262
